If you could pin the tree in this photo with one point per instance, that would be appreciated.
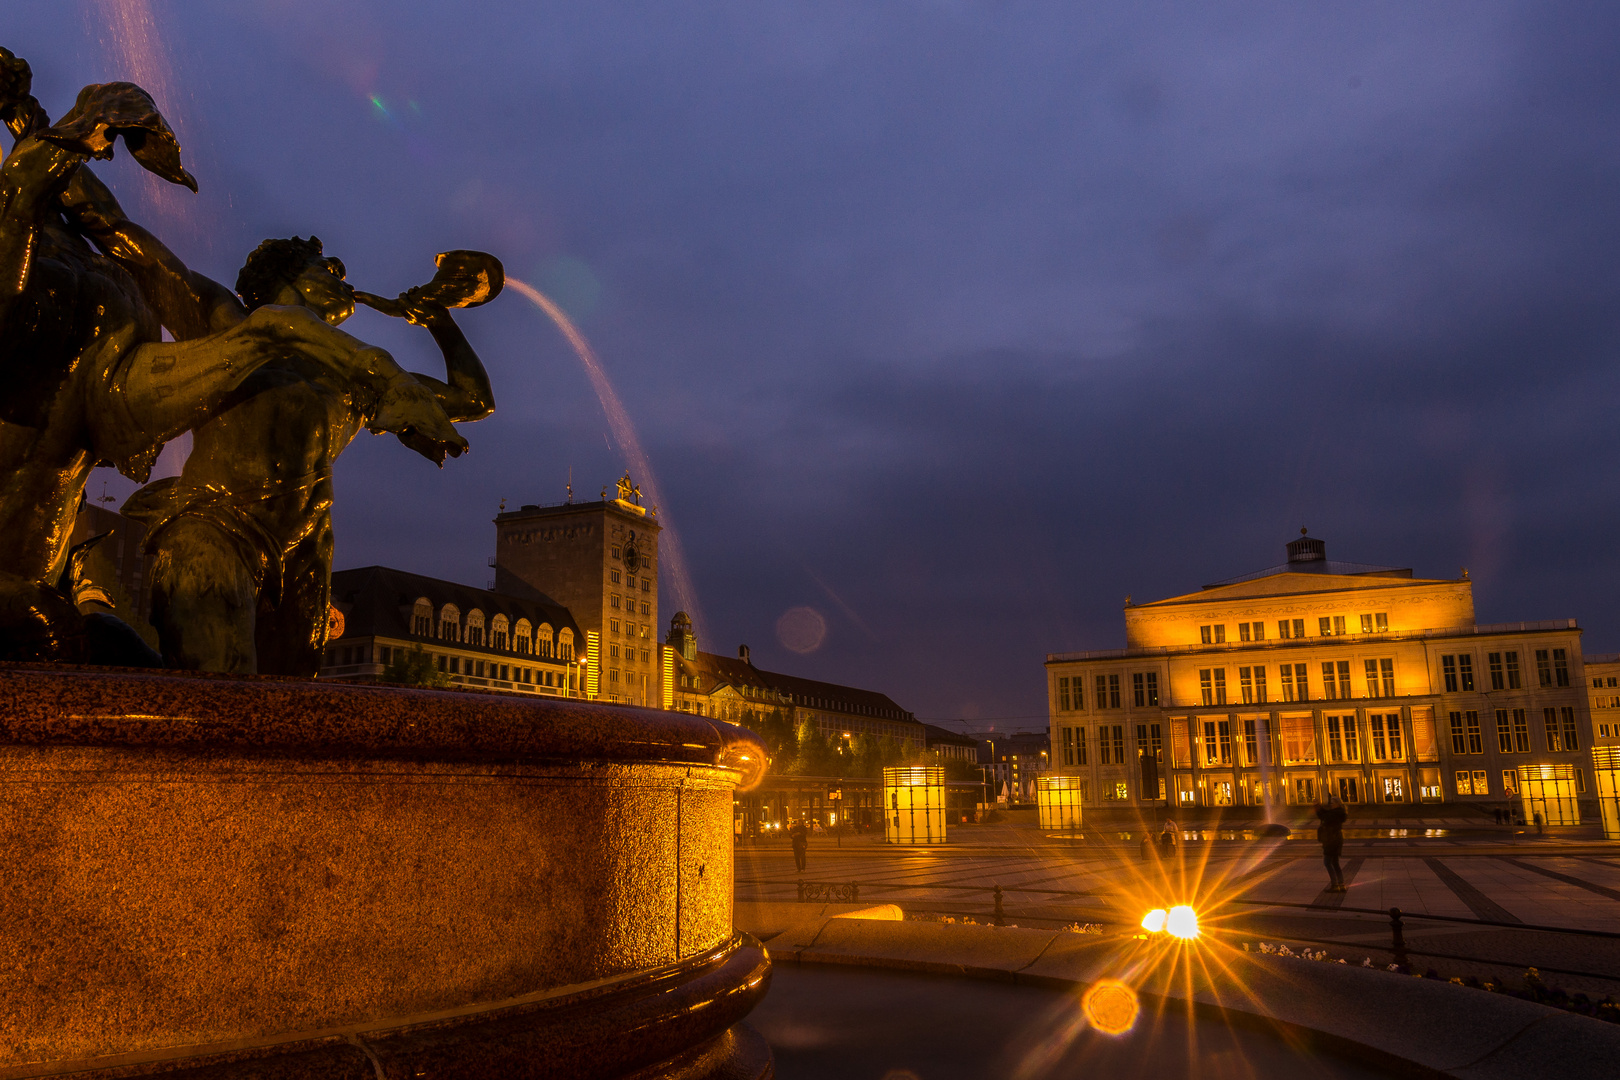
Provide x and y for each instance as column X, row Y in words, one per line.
column 414, row 668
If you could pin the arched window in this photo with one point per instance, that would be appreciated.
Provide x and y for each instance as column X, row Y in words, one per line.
column 475, row 627
column 565, row 644
column 450, row 623
column 542, row 640
column 498, row 638
column 422, row 617
column 523, row 637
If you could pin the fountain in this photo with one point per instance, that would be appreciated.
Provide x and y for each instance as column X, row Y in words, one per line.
column 237, row 874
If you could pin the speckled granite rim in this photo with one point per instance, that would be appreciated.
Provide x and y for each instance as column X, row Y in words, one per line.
column 682, row 1022
column 41, row 705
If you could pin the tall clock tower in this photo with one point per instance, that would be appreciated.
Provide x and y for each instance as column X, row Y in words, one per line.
column 599, row 560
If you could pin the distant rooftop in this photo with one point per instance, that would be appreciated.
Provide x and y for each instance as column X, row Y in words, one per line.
column 1308, row 555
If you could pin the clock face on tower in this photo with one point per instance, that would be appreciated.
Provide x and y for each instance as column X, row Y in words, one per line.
column 632, row 558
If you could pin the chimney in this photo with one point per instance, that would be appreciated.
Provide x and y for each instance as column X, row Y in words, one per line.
column 742, row 654
column 1306, row 549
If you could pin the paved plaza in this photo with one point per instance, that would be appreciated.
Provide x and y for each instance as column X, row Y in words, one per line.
column 1432, row 867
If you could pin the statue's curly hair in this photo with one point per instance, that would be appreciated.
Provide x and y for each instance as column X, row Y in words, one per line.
column 275, row 263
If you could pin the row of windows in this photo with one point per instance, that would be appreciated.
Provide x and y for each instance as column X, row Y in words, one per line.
column 630, row 629
column 1552, row 669
column 1111, row 744
column 1072, row 692
column 629, row 653
column 447, row 624
column 1597, row 681
column 643, row 558
column 1221, row 742
column 1295, row 682
column 453, row 665
column 646, row 582
column 1477, row 782
column 1513, row 731
column 1327, row 626
column 629, row 605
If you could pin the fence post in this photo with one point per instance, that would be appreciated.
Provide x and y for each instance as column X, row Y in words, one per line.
column 1001, row 919
column 1398, row 939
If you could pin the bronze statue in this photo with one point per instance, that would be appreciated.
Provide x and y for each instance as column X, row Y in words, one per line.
column 242, row 539
column 88, row 380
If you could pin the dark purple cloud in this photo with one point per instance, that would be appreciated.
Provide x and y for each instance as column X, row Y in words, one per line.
column 959, row 322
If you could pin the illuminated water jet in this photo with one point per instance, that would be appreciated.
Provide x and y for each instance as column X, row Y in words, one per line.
column 624, row 433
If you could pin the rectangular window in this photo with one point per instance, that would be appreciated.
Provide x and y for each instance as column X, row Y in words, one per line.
column 1459, row 738
column 1286, row 672
column 1119, row 743
column 1078, row 701
column 1381, row 622
column 1476, row 743
column 1063, row 693
column 1298, row 740
column 1504, row 733
column 1372, row 678
column 1259, row 631
column 1260, row 685
column 1465, row 782
column 1206, row 686
column 1206, row 635
column 1324, row 626
column 1338, row 625
column 1481, row 785
column 1153, row 689
column 1068, row 746
column 1366, row 624
column 1521, row 732
column 1243, row 631
column 613, row 576
column 1139, row 688
column 1375, row 726
column 1100, row 702
column 1113, row 691
column 1251, row 744
column 1494, row 660
column 1549, row 718
column 1543, row 668
column 1571, row 743
column 1246, row 684
column 1397, row 747
column 1513, row 670
column 1336, row 688
column 1335, row 739
column 1224, row 731
column 1282, row 629
column 1079, row 746
column 1301, row 683
column 1330, row 686
column 1352, row 744
column 1386, row 672
column 1465, row 671
column 1560, row 667
column 1510, row 782
column 1211, row 743
column 1448, row 671
column 1220, row 686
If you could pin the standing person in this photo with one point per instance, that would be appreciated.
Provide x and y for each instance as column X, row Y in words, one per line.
column 1167, row 837
column 1330, row 832
column 1538, row 821
column 801, row 844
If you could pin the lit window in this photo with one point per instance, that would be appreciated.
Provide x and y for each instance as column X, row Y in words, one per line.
column 613, row 576
column 1243, row 631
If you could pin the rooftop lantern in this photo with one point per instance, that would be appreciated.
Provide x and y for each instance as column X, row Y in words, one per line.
column 1549, row 790
column 1058, row 798
column 1606, row 771
column 914, row 804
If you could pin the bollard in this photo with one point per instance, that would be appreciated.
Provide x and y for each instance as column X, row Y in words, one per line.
column 1001, row 919
column 1398, row 939
column 1144, row 847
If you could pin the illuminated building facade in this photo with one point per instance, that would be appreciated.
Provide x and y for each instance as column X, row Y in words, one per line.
column 734, row 689
column 1603, row 691
column 1315, row 677
column 600, row 561
column 474, row 637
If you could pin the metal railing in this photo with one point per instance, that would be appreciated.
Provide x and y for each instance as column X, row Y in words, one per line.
column 1402, row 952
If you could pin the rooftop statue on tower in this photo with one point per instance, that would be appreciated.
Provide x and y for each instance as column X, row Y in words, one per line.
column 86, row 380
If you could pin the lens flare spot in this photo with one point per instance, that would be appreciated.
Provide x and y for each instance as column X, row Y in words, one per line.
column 1111, row 1007
column 801, row 629
column 1154, row 920
column 1182, row 922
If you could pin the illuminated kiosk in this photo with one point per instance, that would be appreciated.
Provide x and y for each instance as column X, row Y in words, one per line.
column 1549, row 790
column 1606, row 772
column 1058, row 798
column 239, row 877
column 914, row 804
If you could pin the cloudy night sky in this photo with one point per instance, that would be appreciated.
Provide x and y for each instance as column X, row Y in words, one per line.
column 955, row 322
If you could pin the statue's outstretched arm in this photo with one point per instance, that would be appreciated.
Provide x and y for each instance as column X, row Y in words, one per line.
column 188, row 303
column 467, row 395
